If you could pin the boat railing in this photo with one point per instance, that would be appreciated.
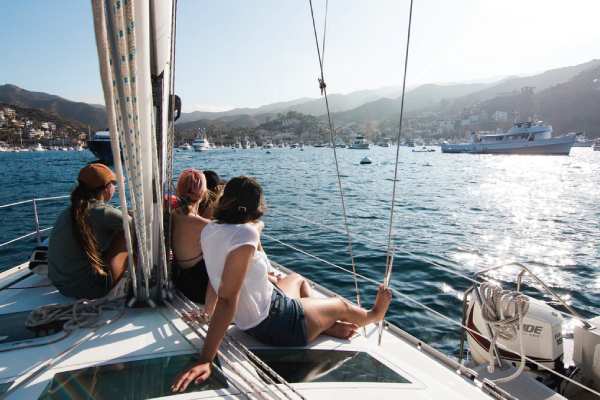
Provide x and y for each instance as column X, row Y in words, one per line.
column 37, row 231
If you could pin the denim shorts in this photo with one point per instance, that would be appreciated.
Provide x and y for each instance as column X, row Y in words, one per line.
column 285, row 326
column 92, row 287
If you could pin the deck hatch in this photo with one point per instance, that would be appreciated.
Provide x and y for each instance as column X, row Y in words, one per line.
column 134, row 380
column 302, row 366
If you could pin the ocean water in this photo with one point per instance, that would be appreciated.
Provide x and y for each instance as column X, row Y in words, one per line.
column 454, row 214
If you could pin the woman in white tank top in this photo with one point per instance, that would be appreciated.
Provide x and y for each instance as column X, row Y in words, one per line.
column 282, row 315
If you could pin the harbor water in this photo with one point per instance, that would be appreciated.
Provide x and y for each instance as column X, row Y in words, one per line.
column 454, row 214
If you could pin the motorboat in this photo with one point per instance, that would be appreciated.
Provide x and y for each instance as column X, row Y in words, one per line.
column 268, row 145
column 533, row 137
column 245, row 144
column 410, row 143
column 37, row 147
column 78, row 148
column 597, row 145
column 385, row 142
column 360, row 143
column 185, row 146
column 201, row 144
column 582, row 141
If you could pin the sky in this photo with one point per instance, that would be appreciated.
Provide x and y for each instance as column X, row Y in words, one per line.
column 235, row 53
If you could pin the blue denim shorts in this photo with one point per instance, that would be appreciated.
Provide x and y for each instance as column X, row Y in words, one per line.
column 92, row 287
column 285, row 326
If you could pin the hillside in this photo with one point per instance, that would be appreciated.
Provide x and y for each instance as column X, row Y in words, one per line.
column 191, row 129
column 82, row 112
column 539, row 82
column 41, row 115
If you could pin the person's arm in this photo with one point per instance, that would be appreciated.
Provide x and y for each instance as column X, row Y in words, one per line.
column 210, row 301
column 234, row 273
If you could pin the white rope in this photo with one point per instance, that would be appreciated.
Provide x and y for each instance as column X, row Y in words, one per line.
column 104, row 60
column 504, row 310
column 83, row 313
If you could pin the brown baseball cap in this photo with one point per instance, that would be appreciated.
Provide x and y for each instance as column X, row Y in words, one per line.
column 191, row 183
column 96, row 175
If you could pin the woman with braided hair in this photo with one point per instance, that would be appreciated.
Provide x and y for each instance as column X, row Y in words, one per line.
column 87, row 254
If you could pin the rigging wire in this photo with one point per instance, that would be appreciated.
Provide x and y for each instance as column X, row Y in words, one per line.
column 387, row 261
column 170, row 139
column 323, row 88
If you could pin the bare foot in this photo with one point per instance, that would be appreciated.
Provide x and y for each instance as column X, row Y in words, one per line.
column 382, row 302
column 342, row 330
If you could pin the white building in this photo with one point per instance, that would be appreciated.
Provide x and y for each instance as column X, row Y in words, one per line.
column 465, row 122
column 500, row 116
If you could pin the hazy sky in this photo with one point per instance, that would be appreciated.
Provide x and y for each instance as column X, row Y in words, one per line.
column 247, row 54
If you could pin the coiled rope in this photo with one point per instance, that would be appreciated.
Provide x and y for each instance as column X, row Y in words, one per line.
column 80, row 314
column 503, row 311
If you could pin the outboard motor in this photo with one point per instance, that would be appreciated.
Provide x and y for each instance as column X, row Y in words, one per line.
column 542, row 341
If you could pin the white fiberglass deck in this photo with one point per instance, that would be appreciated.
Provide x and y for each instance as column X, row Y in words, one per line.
column 146, row 333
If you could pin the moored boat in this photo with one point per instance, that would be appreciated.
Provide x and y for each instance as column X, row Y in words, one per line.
column 360, row 143
column 100, row 146
column 522, row 138
column 201, row 144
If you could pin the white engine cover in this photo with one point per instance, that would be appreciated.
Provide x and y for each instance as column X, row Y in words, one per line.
column 543, row 336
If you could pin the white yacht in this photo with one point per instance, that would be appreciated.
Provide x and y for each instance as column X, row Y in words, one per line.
column 185, row 146
column 339, row 143
column 268, row 145
column 533, row 137
column 37, row 147
column 582, row 141
column 597, row 145
column 360, row 143
column 78, row 148
column 201, row 144
column 385, row 142
column 245, row 144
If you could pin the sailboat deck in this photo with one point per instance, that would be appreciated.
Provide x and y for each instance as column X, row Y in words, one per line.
column 147, row 334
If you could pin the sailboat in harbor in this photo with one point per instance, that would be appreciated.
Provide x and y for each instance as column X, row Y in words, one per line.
column 145, row 331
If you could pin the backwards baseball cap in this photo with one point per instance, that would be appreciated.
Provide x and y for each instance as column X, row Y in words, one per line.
column 213, row 180
column 191, row 183
column 96, row 175
column 247, row 192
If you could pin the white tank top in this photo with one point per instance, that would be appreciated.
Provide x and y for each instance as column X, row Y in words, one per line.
column 218, row 240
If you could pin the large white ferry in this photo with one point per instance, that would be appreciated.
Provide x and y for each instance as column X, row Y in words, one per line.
column 531, row 137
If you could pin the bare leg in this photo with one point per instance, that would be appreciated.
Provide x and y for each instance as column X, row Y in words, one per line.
column 322, row 314
column 116, row 257
column 295, row 286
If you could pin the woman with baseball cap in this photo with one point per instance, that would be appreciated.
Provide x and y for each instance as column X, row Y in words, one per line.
column 189, row 270
column 237, row 268
column 87, row 254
